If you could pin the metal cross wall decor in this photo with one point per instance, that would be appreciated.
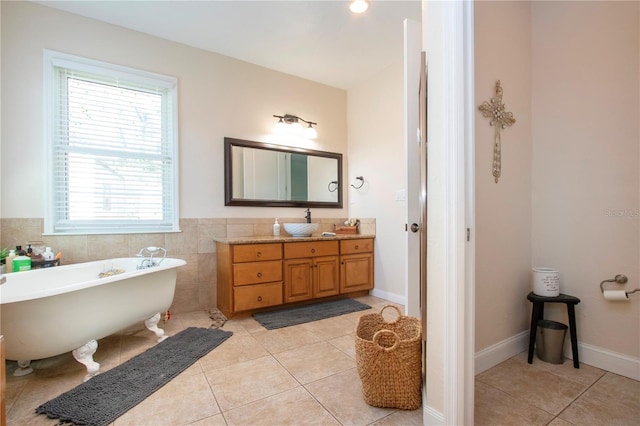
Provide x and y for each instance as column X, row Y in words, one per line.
column 500, row 119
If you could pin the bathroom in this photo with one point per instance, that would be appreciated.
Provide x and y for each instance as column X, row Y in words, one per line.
column 568, row 196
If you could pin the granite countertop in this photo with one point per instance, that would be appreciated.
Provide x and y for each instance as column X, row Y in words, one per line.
column 286, row 239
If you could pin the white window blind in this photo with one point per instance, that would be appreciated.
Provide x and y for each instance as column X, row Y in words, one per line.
column 112, row 148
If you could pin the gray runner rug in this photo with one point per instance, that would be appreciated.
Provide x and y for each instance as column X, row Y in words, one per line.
column 107, row 396
column 301, row 314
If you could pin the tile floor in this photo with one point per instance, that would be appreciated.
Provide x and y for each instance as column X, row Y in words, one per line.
column 306, row 374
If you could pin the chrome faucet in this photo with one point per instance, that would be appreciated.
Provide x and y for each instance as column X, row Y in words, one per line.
column 148, row 262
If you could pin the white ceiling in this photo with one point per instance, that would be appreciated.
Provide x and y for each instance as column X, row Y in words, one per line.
column 317, row 40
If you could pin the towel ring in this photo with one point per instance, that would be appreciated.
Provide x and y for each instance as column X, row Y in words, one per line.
column 361, row 179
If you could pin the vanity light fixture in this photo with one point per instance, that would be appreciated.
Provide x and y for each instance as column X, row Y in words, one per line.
column 290, row 124
column 359, row 6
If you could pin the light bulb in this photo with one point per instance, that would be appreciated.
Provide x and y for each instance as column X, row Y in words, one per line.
column 359, row 6
column 280, row 128
column 310, row 132
column 296, row 128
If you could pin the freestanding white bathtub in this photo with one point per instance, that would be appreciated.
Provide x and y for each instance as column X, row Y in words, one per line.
column 50, row 311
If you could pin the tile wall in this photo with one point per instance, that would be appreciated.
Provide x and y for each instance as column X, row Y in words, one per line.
column 196, row 283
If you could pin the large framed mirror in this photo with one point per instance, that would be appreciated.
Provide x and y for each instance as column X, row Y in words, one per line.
column 266, row 175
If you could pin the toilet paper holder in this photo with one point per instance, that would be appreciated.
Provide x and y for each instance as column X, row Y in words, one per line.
column 618, row 279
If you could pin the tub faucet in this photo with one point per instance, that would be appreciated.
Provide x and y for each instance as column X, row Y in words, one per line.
column 308, row 216
column 151, row 251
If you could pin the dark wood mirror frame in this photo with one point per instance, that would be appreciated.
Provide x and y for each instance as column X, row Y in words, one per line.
column 229, row 143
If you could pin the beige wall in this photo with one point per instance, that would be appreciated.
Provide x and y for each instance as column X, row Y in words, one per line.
column 503, row 210
column 218, row 96
column 569, row 196
column 377, row 152
column 586, row 160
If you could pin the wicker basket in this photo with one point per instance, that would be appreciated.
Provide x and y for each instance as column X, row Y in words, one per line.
column 389, row 360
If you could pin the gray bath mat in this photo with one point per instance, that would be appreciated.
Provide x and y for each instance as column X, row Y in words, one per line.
column 107, row 396
column 301, row 314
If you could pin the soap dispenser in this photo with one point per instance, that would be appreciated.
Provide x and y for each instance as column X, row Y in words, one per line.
column 276, row 228
column 9, row 260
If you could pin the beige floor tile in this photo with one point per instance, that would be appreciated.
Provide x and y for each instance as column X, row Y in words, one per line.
column 253, row 387
column 193, row 319
column 613, row 400
column 346, row 344
column 183, row 400
column 249, row 381
column 15, row 386
column 586, row 374
column 39, row 390
column 372, row 300
column 293, row 407
column 217, row 420
column 314, row 362
column 341, row 394
column 331, row 328
column 532, row 385
column 248, row 323
column 284, row 339
column 559, row 422
column 237, row 348
column 402, row 417
column 235, row 327
column 494, row 407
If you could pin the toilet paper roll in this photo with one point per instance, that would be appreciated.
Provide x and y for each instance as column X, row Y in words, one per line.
column 616, row 295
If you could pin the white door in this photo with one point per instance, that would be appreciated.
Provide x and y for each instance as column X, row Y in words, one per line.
column 412, row 53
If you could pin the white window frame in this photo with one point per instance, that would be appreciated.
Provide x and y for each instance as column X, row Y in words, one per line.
column 54, row 225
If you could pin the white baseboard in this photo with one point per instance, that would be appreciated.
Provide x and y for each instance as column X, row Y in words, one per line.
column 501, row 351
column 391, row 297
column 431, row 417
column 604, row 359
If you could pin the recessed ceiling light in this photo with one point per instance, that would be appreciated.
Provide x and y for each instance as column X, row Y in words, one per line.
column 359, row 6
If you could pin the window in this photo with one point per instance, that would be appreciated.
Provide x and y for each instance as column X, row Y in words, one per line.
column 111, row 138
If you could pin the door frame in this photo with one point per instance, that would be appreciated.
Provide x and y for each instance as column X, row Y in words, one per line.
column 447, row 29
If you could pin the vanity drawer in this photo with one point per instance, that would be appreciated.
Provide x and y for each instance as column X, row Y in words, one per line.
column 257, row 296
column 257, row 272
column 310, row 249
column 256, row 252
column 363, row 245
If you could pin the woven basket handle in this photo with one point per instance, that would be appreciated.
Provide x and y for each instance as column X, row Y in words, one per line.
column 397, row 311
column 380, row 333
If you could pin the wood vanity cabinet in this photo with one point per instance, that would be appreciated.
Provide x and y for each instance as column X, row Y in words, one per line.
column 356, row 265
column 311, row 270
column 258, row 275
column 249, row 276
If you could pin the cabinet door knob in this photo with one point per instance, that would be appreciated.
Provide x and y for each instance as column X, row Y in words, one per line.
column 259, row 274
column 259, row 298
column 313, row 250
column 357, row 247
column 258, row 254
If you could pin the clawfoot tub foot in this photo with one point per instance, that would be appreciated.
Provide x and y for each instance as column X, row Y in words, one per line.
column 84, row 355
column 24, row 368
column 152, row 324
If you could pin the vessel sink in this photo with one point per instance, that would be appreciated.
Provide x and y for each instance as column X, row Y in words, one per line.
column 300, row 229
